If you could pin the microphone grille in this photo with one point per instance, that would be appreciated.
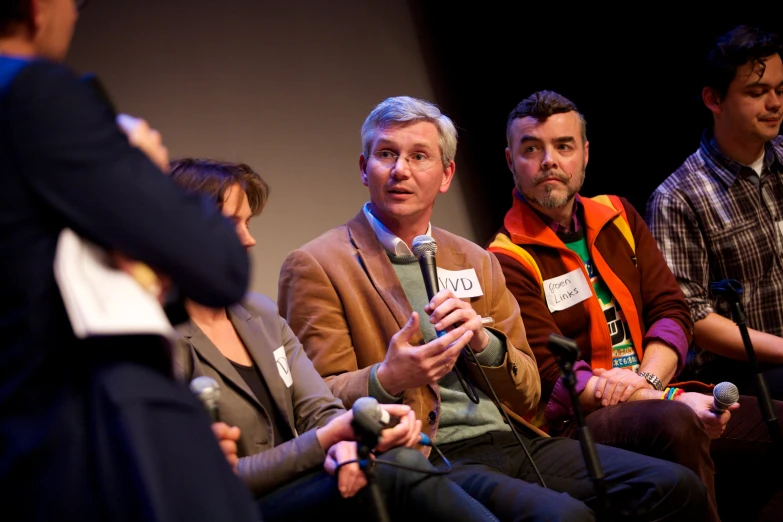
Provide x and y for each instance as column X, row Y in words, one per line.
column 367, row 406
column 725, row 393
column 206, row 389
column 422, row 245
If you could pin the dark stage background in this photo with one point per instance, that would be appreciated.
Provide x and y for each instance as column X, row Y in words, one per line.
column 633, row 76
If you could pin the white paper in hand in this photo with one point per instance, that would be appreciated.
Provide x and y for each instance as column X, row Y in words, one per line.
column 99, row 299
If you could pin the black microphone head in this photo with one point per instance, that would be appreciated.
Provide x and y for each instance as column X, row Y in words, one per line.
column 563, row 347
column 423, row 245
column 724, row 394
column 206, row 389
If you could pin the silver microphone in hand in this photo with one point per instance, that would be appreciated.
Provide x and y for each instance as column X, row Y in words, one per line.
column 724, row 395
column 425, row 248
column 369, row 407
column 207, row 391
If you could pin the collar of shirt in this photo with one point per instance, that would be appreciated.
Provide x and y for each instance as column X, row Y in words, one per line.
column 391, row 243
column 556, row 227
column 726, row 169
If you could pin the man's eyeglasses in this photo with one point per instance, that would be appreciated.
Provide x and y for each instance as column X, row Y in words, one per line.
column 418, row 161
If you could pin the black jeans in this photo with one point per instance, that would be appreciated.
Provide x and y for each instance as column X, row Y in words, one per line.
column 409, row 496
column 494, row 470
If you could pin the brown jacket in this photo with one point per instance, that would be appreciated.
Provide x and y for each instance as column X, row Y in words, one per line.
column 342, row 298
column 305, row 405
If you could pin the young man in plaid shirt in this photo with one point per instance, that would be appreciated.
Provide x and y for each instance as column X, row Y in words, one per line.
column 720, row 215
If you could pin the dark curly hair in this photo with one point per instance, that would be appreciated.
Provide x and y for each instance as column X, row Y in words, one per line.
column 732, row 50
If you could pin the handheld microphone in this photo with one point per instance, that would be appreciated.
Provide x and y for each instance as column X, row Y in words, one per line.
column 425, row 248
column 207, row 391
column 724, row 395
column 369, row 407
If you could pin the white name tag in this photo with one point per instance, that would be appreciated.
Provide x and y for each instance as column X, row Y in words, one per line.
column 464, row 283
column 566, row 290
column 282, row 366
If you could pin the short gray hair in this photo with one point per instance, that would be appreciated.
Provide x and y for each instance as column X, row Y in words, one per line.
column 401, row 110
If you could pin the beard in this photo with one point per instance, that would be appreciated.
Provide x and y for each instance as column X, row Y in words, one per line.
column 550, row 201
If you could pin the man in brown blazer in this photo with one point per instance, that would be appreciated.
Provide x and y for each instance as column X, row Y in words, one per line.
column 356, row 299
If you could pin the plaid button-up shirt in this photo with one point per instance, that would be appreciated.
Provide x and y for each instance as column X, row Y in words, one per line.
column 716, row 219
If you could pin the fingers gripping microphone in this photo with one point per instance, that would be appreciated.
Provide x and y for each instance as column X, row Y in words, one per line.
column 207, row 391
column 724, row 395
column 368, row 408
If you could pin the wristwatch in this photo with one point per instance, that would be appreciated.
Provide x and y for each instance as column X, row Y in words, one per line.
column 652, row 379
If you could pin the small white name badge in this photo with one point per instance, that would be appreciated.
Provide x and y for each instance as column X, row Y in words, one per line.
column 566, row 290
column 464, row 283
column 282, row 366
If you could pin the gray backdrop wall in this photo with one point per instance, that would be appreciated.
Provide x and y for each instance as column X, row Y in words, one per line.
column 281, row 85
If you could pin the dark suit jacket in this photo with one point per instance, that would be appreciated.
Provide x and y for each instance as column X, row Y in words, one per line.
column 305, row 405
column 64, row 163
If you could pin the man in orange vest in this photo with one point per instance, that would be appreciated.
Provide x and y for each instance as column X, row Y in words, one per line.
column 589, row 269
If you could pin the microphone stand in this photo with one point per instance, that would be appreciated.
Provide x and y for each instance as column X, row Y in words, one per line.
column 368, row 431
column 566, row 352
column 730, row 289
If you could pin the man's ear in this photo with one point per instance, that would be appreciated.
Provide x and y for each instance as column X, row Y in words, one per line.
column 35, row 17
column 363, row 169
column 711, row 99
column 587, row 152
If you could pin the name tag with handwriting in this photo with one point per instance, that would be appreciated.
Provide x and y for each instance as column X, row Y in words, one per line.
column 282, row 366
column 464, row 283
column 565, row 291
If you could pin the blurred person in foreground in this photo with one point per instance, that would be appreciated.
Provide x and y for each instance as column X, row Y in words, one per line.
column 97, row 429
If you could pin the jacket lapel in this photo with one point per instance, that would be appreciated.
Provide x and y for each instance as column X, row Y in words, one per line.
column 447, row 256
column 379, row 269
column 210, row 353
column 253, row 335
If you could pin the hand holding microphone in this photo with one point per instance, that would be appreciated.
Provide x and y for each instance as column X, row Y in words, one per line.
column 396, row 423
column 145, row 138
column 714, row 411
column 445, row 309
